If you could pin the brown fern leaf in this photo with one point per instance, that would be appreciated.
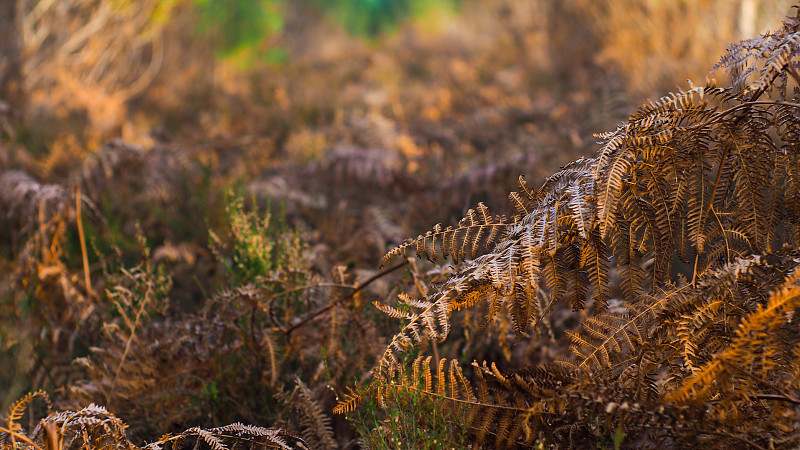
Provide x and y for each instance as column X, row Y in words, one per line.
column 707, row 176
column 351, row 401
column 512, row 409
column 316, row 425
column 233, row 436
column 524, row 205
column 28, row 204
column 606, row 339
column 735, row 373
column 496, row 413
column 92, row 427
column 477, row 231
column 17, row 409
column 365, row 167
column 392, row 312
column 544, row 246
column 702, row 322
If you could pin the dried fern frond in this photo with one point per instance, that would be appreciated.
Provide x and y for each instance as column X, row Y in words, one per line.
column 17, row 409
column 95, row 427
column 28, row 204
column 235, row 435
column 556, row 245
column 702, row 183
column 756, row 359
column 767, row 56
column 128, row 173
column 513, row 409
column 316, row 425
column 90, row 427
column 476, row 232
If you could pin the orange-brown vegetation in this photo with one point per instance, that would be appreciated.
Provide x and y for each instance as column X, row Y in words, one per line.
column 192, row 238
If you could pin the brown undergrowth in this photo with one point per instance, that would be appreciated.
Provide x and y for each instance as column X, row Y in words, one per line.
column 215, row 266
column 678, row 241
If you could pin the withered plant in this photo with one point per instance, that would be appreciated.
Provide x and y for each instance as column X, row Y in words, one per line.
column 94, row 427
column 667, row 243
column 679, row 241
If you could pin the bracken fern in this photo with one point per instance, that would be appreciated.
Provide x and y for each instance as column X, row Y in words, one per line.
column 691, row 207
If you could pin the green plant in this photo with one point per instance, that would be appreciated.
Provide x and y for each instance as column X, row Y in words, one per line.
column 240, row 27
column 371, row 18
column 402, row 416
column 259, row 246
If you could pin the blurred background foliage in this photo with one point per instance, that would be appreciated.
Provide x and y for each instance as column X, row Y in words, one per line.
column 371, row 18
column 95, row 69
column 361, row 121
column 239, row 26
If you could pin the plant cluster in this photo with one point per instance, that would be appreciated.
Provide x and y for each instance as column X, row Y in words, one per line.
column 678, row 240
column 121, row 341
column 215, row 266
column 95, row 427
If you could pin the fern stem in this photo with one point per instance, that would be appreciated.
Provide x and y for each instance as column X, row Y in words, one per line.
column 133, row 327
column 84, row 255
column 470, row 402
column 694, row 270
column 777, row 398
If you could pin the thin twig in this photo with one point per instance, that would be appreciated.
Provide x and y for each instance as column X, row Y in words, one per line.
column 356, row 290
